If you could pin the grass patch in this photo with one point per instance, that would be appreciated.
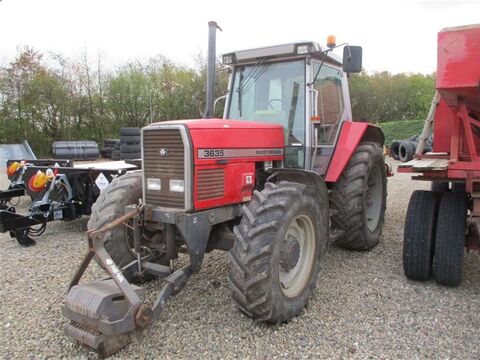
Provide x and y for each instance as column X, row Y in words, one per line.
column 401, row 129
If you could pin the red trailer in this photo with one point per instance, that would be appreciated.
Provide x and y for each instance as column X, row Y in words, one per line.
column 442, row 222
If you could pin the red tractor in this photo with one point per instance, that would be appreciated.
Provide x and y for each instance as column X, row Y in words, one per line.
column 442, row 222
column 282, row 174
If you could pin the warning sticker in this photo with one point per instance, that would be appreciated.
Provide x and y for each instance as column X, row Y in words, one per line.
column 101, row 181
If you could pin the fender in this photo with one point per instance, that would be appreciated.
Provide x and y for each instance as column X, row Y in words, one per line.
column 351, row 134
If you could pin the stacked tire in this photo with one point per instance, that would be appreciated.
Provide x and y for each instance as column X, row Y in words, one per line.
column 116, row 151
column 404, row 150
column 130, row 143
column 108, row 147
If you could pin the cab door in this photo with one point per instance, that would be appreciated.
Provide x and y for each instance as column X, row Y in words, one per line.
column 328, row 111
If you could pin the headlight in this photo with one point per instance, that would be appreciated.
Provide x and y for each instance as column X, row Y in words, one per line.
column 228, row 59
column 177, row 185
column 303, row 49
column 154, row 184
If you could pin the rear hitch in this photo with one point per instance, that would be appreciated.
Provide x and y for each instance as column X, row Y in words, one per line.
column 104, row 314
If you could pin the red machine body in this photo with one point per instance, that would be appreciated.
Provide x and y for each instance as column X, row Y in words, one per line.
column 225, row 153
column 350, row 136
column 457, row 116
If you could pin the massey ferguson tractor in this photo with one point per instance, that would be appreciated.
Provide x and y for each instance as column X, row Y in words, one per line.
column 283, row 173
column 441, row 223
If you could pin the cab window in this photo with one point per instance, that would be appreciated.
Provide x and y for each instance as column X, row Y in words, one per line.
column 329, row 102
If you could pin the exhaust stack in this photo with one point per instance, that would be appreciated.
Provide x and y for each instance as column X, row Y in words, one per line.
column 211, row 60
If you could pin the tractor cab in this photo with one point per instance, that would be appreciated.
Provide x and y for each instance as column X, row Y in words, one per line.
column 302, row 87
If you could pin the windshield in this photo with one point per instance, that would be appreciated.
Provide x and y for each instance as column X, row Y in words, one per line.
column 271, row 93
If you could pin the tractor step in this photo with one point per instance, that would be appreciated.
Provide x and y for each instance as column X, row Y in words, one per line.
column 100, row 315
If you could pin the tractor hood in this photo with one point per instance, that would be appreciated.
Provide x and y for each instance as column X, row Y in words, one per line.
column 232, row 140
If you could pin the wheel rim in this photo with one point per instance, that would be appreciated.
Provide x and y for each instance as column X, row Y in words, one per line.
column 293, row 280
column 373, row 199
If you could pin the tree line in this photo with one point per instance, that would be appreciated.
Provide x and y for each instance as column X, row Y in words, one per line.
column 44, row 98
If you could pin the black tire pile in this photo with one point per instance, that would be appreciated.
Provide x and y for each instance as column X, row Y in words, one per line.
column 130, row 143
column 108, row 148
column 116, row 151
column 404, row 150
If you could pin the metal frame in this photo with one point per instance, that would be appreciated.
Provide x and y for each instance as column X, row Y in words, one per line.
column 43, row 209
column 110, row 336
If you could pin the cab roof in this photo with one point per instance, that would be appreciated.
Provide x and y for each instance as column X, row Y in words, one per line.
column 295, row 49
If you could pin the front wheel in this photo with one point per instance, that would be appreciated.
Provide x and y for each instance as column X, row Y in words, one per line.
column 110, row 205
column 276, row 256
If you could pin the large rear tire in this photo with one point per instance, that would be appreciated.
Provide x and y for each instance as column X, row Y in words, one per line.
column 110, row 205
column 276, row 256
column 419, row 234
column 450, row 239
column 358, row 199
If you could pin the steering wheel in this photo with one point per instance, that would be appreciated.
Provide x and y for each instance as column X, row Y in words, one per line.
column 283, row 102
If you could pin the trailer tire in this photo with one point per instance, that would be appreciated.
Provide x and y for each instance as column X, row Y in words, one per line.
column 129, row 131
column 440, row 186
column 394, row 149
column 276, row 255
column 354, row 215
column 407, row 151
column 110, row 205
column 450, row 239
column 419, row 234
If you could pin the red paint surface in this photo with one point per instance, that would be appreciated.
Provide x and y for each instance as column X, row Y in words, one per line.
column 442, row 131
column 231, row 134
column 236, row 188
column 458, row 65
column 350, row 136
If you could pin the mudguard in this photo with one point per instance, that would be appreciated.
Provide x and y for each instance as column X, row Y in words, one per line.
column 351, row 134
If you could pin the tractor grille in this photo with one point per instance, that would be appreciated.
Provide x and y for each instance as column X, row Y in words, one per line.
column 164, row 159
column 211, row 184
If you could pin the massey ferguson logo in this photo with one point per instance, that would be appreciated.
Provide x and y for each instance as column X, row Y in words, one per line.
column 163, row 152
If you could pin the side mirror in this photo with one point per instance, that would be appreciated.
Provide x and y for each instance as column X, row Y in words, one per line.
column 352, row 59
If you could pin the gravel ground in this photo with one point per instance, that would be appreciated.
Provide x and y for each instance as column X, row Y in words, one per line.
column 363, row 306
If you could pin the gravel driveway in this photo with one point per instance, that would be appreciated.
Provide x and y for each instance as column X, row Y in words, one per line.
column 363, row 306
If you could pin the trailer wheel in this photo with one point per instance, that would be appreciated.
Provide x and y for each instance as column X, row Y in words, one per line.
column 407, row 151
column 110, row 205
column 276, row 255
column 358, row 199
column 419, row 234
column 440, row 186
column 450, row 239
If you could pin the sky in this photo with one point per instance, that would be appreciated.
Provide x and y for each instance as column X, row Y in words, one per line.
column 396, row 35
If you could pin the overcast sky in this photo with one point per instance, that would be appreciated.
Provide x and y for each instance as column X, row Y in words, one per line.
column 396, row 35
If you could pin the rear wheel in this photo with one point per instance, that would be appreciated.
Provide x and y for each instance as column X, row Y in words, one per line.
column 276, row 256
column 110, row 205
column 450, row 239
column 419, row 234
column 358, row 199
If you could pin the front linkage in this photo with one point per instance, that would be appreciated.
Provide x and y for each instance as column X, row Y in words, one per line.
column 103, row 314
